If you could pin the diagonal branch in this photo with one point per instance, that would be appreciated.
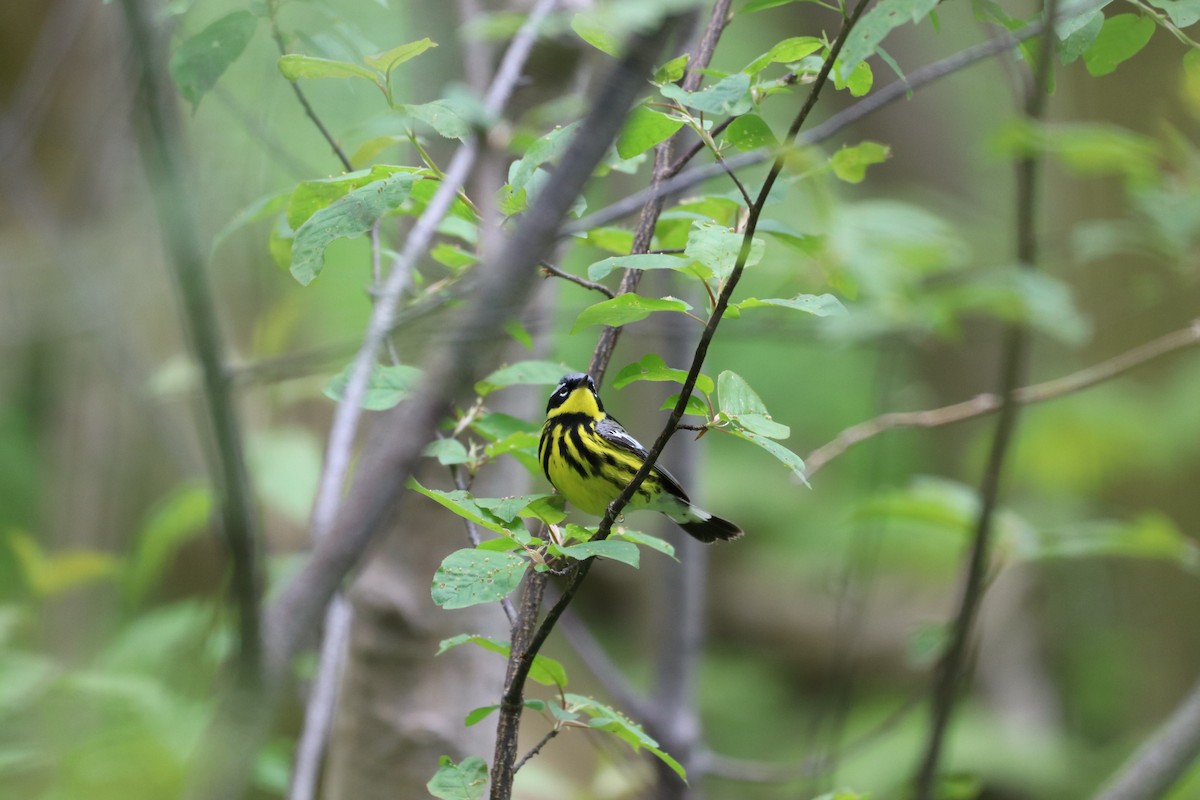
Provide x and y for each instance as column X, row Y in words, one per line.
column 522, row 659
column 984, row 404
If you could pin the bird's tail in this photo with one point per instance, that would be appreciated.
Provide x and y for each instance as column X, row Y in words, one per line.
column 705, row 526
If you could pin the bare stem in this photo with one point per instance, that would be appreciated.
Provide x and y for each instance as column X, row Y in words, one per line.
column 984, row 404
column 550, row 269
column 950, row 674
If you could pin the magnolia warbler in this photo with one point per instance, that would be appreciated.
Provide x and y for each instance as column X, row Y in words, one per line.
column 590, row 459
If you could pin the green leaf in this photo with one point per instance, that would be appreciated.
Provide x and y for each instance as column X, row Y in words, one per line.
column 605, row 718
column 1183, row 13
column 787, row 51
column 545, row 670
column 651, row 367
column 695, row 405
column 198, row 63
column 294, row 66
column 645, row 539
column 469, row 577
column 465, row 781
column 479, row 715
column 508, row 508
column 717, row 247
column 625, row 552
column 1121, row 38
column 672, row 70
column 789, row 459
column 821, row 305
column 311, row 196
column 182, row 515
column 624, row 309
column 750, row 132
column 1086, row 148
column 745, row 409
column 729, row 96
column 388, row 60
column 522, row 373
column 613, row 240
column 592, row 29
column 1152, row 536
column 1078, row 38
column 53, row 574
column 347, row 217
column 850, row 163
column 859, row 81
column 466, row 506
column 447, row 451
column 601, row 269
column 446, row 117
column 875, row 25
column 645, row 128
column 386, row 386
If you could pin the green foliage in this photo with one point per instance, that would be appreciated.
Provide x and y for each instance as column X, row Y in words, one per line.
column 465, row 781
column 544, row 670
column 387, row 385
column 200, row 61
column 644, row 129
column 603, row 717
column 626, row 308
column 1121, row 38
column 651, row 367
column 875, row 25
column 469, row 577
column 176, row 519
column 523, row 373
column 850, row 163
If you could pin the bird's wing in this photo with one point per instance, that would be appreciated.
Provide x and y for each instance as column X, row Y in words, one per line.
column 614, row 434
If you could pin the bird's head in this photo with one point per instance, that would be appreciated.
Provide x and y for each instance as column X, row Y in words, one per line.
column 575, row 394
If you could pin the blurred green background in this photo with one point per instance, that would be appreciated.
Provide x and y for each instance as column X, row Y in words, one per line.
column 823, row 622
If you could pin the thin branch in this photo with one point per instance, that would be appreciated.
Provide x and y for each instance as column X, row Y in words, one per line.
column 550, row 269
column 652, row 207
column 1162, row 759
column 984, row 404
column 277, row 35
column 322, row 701
column 537, row 748
column 227, row 462
column 951, row 672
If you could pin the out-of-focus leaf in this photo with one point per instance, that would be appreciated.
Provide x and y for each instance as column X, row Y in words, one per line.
column 286, row 465
column 261, row 208
column 470, row 577
column 388, row 60
column 182, row 515
column 1150, row 536
column 592, row 29
column 875, row 24
column 386, row 387
column 1122, row 37
column 294, row 66
column 672, row 70
column 52, row 574
column 522, row 373
column 447, row 451
column 850, row 163
column 198, row 63
column 1183, row 13
column 729, row 96
column 446, row 117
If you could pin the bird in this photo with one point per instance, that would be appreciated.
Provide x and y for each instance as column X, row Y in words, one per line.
column 590, row 459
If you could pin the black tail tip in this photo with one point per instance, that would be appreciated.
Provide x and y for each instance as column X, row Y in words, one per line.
column 713, row 529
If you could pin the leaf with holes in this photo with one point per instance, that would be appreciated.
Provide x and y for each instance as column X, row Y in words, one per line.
column 469, row 577
column 465, row 781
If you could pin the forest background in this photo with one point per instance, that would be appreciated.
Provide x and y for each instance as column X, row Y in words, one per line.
column 205, row 205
